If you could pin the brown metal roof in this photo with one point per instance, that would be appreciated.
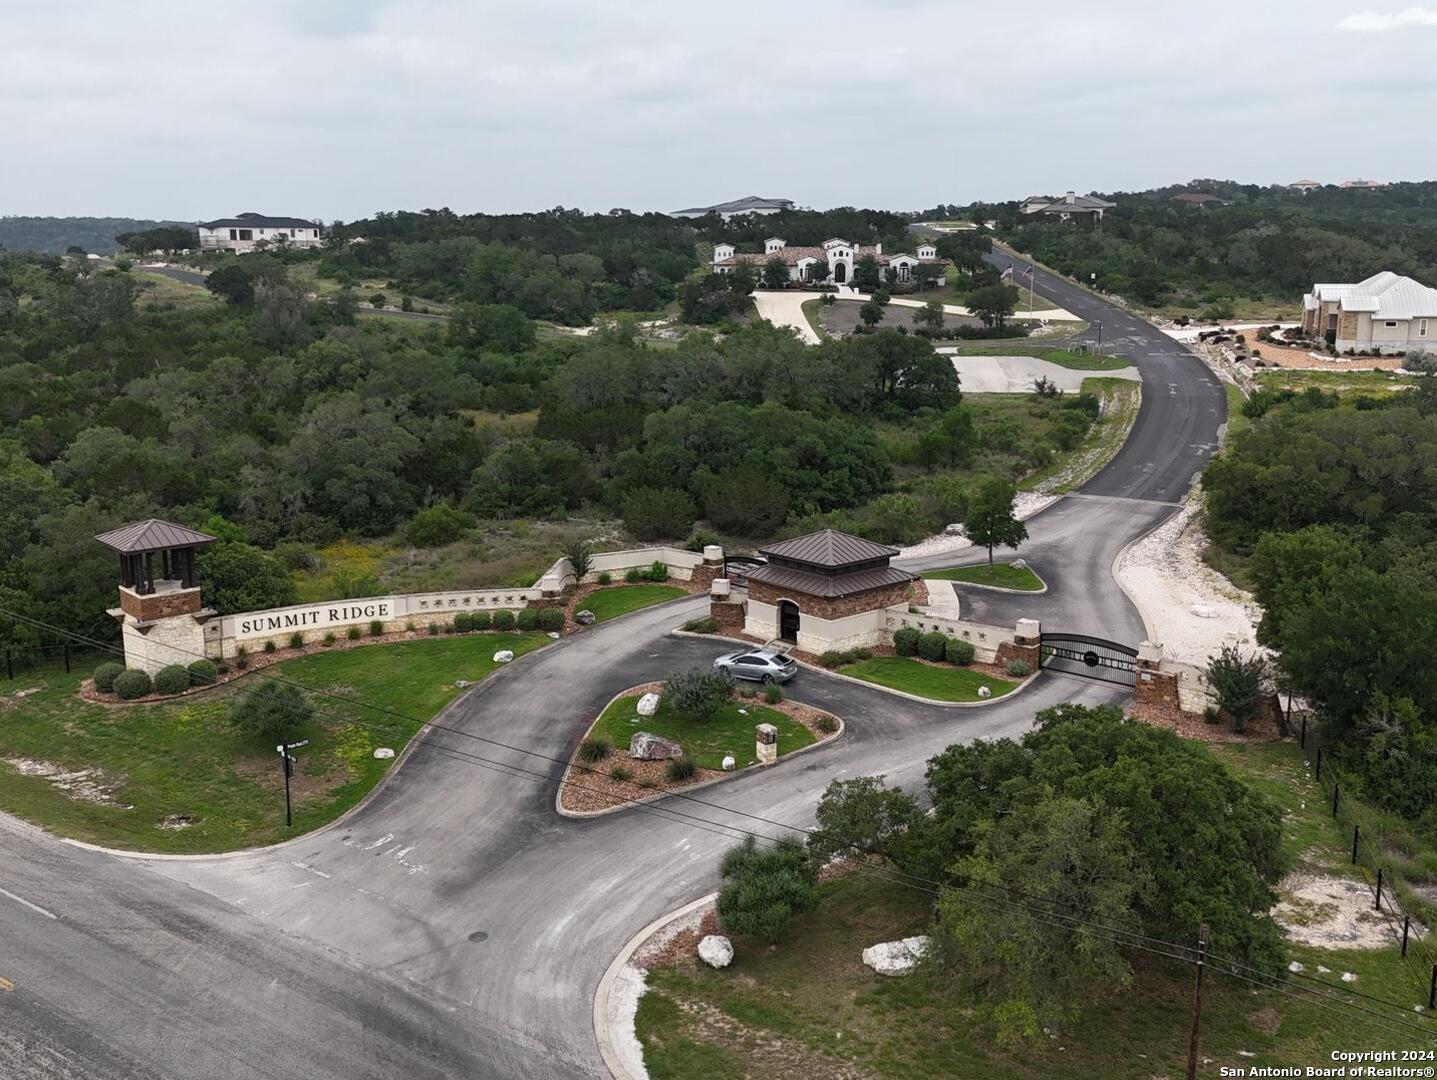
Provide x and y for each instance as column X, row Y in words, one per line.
column 152, row 535
column 829, row 549
column 829, row 586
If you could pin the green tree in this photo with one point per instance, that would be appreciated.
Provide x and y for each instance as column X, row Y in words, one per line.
column 861, row 817
column 871, row 312
column 236, row 576
column 932, row 315
column 746, row 501
column 775, row 273
column 580, row 556
column 991, row 521
column 1240, row 683
column 698, row 693
column 658, row 513
column 867, row 274
column 1063, row 853
column 233, row 283
column 491, row 327
column 992, row 303
column 271, row 710
column 765, row 887
column 437, row 525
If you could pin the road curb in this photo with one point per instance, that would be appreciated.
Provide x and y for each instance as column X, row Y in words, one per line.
column 629, row 804
column 603, row 1018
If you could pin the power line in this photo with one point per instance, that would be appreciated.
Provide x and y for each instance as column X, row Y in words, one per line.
column 1072, row 923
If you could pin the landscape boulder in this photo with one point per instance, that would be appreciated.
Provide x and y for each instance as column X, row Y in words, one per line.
column 503, row 656
column 896, row 958
column 728, row 763
column 984, row 692
column 584, row 618
column 648, row 705
column 383, row 753
column 716, row 951
column 1019, row 564
column 646, row 746
column 955, row 529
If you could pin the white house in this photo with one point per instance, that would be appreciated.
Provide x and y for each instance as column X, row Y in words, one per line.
column 833, row 261
column 244, row 231
column 1386, row 313
column 749, row 204
column 1069, row 206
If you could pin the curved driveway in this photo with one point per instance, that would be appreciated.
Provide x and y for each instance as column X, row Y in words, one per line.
column 456, row 926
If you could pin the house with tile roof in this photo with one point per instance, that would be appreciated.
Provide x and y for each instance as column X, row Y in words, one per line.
column 832, row 261
column 1305, row 186
column 246, row 232
column 1066, row 208
column 1386, row 313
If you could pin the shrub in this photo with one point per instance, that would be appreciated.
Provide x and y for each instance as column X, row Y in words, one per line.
column 1239, row 682
column 932, row 646
column 271, row 709
column 437, row 525
column 172, row 680
column 1019, row 669
column 296, row 641
column 594, row 749
column 242, row 657
column 1210, row 715
column 706, row 625
column 481, row 620
column 827, row 724
column 647, row 784
column 433, row 629
column 622, row 773
column 701, row 539
column 747, row 692
column 658, row 571
column 269, row 645
column 132, row 683
column 202, row 672
column 581, row 558
column 376, row 627
column 773, row 693
column 528, row 618
column 957, row 651
column 698, row 692
column 352, row 633
column 105, row 676
column 905, row 641
column 681, row 768
column 765, row 887
column 464, row 622
column 329, row 639
column 503, row 620
column 550, row 619
column 633, row 575
column 836, row 658
column 605, row 578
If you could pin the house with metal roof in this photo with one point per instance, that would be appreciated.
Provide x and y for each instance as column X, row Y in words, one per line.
column 831, row 261
column 749, row 204
column 257, row 232
column 1067, row 207
column 1386, row 313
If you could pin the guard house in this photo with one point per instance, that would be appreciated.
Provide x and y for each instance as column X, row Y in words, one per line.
column 161, row 615
column 826, row 590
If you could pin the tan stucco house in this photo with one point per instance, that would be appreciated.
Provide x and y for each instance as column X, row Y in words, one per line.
column 1386, row 313
column 833, row 261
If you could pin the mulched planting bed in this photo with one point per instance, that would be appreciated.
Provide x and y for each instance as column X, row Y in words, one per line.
column 589, row 787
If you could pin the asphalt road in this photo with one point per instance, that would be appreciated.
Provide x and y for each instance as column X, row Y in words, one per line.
column 455, row 925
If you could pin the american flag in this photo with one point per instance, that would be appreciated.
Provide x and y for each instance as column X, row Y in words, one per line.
column 1028, row 273
column 1007, row 273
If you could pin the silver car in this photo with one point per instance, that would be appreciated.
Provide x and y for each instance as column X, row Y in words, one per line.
column 757, row 665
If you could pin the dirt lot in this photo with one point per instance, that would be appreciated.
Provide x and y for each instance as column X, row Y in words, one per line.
column 839, row 319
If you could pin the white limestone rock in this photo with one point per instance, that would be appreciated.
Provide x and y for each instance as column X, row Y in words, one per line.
column 383, row 753
column 584, row 618
column 503, row 656
column 646, row 746
column 1019, row 564
column 648, row 705
column 896, row 958
column 716, row 951
column 955, row 529
column 984, row 692
column 728, row 763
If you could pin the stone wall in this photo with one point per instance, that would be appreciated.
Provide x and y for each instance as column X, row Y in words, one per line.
column 985, row 639
column 729, row 614
column 824, row 608
column 159, row 605
column 180, row 640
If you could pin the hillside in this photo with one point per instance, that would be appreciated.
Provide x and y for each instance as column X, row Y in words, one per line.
column 54, row 235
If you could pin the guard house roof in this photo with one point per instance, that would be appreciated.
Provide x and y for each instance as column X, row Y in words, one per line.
column 829, row 564
column 152, row 535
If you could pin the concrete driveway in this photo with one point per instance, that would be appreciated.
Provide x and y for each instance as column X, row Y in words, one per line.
column 1018, row 374
column 785, row 308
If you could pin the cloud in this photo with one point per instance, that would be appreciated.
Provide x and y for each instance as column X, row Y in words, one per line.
column 1379, row 22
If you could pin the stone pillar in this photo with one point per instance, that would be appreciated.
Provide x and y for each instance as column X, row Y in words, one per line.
column 766, row 743
column 724, row 609
column 161, row 628
column 1155, row 687
column 711, row 569
column 1025, row 646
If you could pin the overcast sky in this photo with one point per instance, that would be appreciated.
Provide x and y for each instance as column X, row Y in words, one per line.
column 338, row 108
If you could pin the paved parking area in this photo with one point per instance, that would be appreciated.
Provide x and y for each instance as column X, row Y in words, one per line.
column 1017, row 374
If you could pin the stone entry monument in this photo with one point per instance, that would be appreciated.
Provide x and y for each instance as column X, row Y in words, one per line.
column 160, row 614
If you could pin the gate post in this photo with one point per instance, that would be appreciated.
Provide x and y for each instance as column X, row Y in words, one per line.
column 1153, row 686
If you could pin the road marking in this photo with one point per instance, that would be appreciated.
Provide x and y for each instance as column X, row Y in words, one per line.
column 1122, row 498
column 32, row 907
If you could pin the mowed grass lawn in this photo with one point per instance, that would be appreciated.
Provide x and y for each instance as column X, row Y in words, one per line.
column 729, row 732
column 940, row 682
column 1002, row 575
column 810, row 1008
column 183, row 758
column 1068, row 358
column 621, row 599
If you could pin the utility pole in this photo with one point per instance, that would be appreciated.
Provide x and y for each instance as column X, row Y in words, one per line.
column 1197, row 1003
column 286, row 760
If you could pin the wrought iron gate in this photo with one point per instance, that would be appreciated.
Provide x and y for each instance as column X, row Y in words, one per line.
column 736, row 568
column 1090, row 657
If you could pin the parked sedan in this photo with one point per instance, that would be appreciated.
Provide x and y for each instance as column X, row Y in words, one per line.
column 758, row 665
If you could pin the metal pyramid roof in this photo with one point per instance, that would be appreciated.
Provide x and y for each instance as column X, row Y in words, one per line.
column 830, row 549
column 152, row 535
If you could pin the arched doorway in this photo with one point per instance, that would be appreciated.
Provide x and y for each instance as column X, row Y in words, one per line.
column 840, row 273
column 788, row 621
